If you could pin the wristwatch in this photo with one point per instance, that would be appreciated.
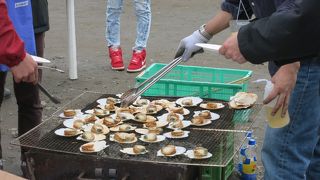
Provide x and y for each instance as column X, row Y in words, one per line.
column 204, row 33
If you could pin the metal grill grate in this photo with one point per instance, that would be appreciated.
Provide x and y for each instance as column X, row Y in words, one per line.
column 222, row 137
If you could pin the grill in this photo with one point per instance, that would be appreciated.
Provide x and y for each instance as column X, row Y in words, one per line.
column 222, row 137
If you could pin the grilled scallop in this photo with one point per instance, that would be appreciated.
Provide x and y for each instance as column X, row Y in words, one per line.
column 198, row 120
column 138, row 149
column 212, row 105
column 124, row 137
column 69, row 112
column 177, row 124
column 108, row 121
column 172, row 117
column 124, row 127
column 77, row 124
column 178, row 110
column 200, row 151
column 70, row 132
column 111, row 100
column 88, row 136
column 142, row 102
column 97, row 128
column 90, row 118
column 141, row 117
column 205, row 114
column 177, row 133
column 187, row 102
column 155, row 130
column 168, row 150
column 88, row 147
column 150, row 137
column 151, row 109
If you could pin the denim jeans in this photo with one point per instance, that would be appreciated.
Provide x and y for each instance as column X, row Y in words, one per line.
column 143, row 14
column 293, row 152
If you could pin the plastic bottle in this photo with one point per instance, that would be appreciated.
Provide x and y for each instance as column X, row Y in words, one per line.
column 242, row 151
column 249, row 164
column 275, row 121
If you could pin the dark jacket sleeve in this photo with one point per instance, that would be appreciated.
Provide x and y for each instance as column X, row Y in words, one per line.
column 232, row 7
column 285, row 36
column 12, row 50
column 40, row 15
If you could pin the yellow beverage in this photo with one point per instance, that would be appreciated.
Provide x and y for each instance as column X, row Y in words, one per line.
column 276, row 121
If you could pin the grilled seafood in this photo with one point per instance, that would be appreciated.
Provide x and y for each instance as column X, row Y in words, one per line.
column 69, row 112
column 139, row 149
column 168, row 150
column 88, row 136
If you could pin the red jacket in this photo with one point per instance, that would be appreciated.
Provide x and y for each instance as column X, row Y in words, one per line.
column 12, row 50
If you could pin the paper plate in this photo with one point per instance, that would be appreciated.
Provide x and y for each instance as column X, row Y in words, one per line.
column 179, row 150
column 210, row 47
column 168, row 135
column 195, row 101
column 159, row 139
column 185, row 111
column 60, row 132
column 207, row 122
column 185, row 124
column 78, row 113
column 126, row 142
column 130, row 151
column 98, row 146
column 163, row 117
column 214, row 116
column 97, row 137
column 190, row 155
column 219, row 106
column 40, row 59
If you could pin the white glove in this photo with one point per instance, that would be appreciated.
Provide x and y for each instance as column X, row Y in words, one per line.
column 187, row 47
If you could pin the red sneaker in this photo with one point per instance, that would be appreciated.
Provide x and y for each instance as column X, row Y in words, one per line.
column 138, row 61
column 115, row 55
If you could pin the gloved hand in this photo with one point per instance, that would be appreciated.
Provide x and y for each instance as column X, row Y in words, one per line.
column 187, row 47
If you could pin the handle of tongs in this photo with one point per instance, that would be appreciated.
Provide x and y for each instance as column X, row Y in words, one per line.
column 159, row 74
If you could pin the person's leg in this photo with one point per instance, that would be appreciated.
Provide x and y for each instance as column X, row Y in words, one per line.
column 143, row 13
column 287, row 151
column 39, row 38
column 29, row 108
column 113, row 13
column 3, row 76
column 313, row 171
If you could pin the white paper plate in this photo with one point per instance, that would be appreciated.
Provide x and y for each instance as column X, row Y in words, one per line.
column 98, row 146
column 129, row 116
column 163, row 117
column 190, row 155
column 185, row 111
column 135, row 102
column 210, row 47
column 60, row 132
column 126, row 142
column 185, row 124
column 207, row 122
column 130, row 151
column 141, row 131
column 97, row 137
column 195, row 101
column 168, row 135
column 104, row 131
column 116, row 129
column 219, row 106
column 160, row 124
column 40, row 59
column 69, row 123
column 103, row 101
column 214, row 116
column 78, row 113
column 179, row 150
column 159, row 139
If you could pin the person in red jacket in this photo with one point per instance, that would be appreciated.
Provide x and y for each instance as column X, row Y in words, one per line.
column 13, row 54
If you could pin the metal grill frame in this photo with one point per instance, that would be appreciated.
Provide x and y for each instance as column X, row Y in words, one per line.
column 222, row 155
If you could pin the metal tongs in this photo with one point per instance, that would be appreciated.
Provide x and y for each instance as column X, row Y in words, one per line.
column 132, row 94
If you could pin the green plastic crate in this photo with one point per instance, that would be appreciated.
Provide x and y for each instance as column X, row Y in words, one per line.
column 215, row 83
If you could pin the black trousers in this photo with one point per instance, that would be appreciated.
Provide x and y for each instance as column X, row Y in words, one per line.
column 29, row 106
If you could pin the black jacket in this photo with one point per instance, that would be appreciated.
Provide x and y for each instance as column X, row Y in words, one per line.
column 289, row 34
column 40, row 15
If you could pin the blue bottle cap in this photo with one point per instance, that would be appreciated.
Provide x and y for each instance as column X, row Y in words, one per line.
column 252, row 141
column 249, row 134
